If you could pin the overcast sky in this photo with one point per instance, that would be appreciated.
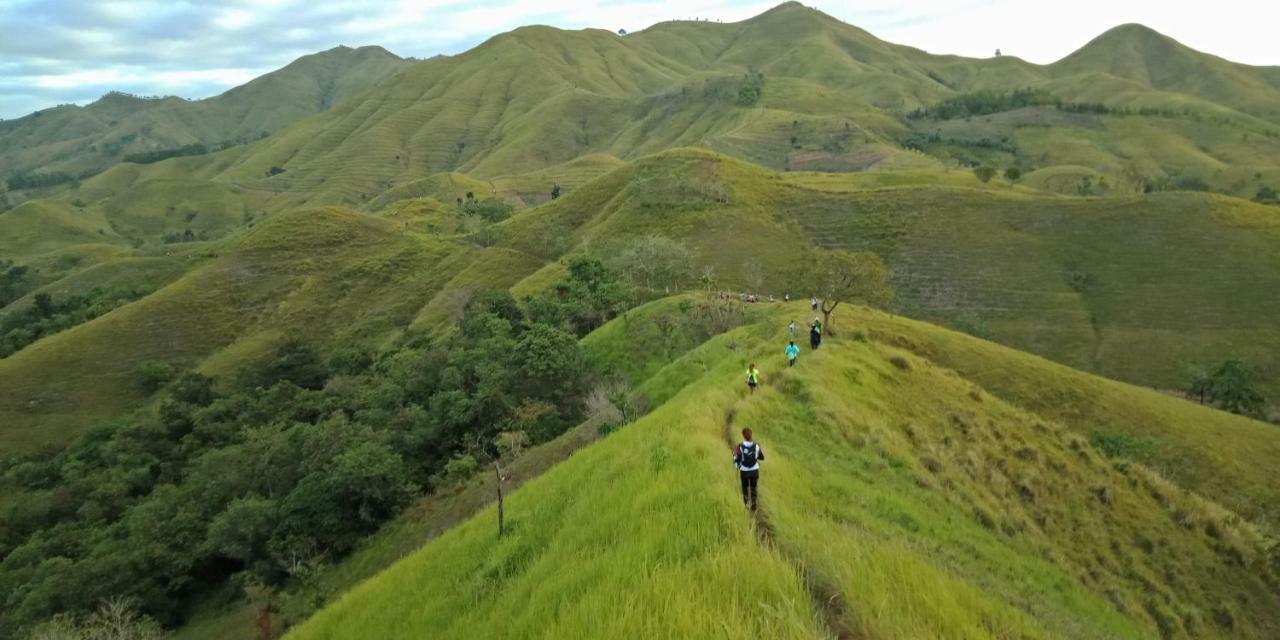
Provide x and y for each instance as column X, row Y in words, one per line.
column 59, row 51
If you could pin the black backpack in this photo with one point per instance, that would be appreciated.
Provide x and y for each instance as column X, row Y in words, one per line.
column 748, row 453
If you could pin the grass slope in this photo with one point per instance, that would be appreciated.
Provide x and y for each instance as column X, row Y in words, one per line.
column 77, row 140
column 347, row 276
column 900, row 500
column 1132, row 287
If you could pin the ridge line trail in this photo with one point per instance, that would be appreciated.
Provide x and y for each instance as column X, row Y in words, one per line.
column 826, row 598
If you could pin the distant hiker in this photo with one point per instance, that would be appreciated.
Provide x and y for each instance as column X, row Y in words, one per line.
column 753, row 378
column 747, row 457
column 786, row 297
column 813, row 303
column 791, row 328
column 771, row 298
column 815, row 334
column 793, row 352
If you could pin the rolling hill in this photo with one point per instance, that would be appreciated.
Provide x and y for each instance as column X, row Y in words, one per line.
column 78, row 141
column 901, row 498
column 1002, row 456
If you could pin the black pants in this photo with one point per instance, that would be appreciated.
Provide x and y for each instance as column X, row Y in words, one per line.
column 749, row 480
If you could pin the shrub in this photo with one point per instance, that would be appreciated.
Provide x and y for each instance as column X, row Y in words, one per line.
column 150, row 375
column 1013, row 174
column 985, row 174
column 458, row 469
column 1121, row 445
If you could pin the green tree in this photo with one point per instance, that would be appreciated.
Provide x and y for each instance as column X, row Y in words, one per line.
column 1198, row 381
column 1013, row 174
column 293, row 361
column 150, row 375
column 555, row 191
column 840, row 276
column 1266, row 194
column 550, row 363
column 13, row 278
column 985, row 174
column 241, row 532
column 655, row 262
column 192, row 388
column 1235, row 390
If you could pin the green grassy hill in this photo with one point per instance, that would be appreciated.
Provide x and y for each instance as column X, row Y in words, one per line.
column 789, row 89
column 1134, row 288
column 901, row 498
column 921, row 482
column 1099, row 284
column 84, row 140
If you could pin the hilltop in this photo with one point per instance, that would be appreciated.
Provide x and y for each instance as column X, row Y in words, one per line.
column 342, row 305
column 1115, row 286
column 900, row 499
column 76, row 142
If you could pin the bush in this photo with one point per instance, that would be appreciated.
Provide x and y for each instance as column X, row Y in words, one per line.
column 1121, row 445
column 489, row 209
column 985, row 174
column 458, row 469
column 150, row 375
column 1013, row 174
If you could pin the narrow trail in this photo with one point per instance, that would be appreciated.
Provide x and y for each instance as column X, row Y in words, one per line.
column 829, row 603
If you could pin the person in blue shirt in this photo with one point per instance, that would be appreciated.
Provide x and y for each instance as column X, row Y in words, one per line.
column 793, row 352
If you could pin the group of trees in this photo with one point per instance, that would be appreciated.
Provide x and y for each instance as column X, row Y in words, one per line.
column 982, row 103
column 591, row 295
column 1229, row 386
column 20, row 181
column 48, row 315
column 986, row 173
column 194, row 149
column 490, row 210
column 13, row 281
column 290, row 464
column 751, row 89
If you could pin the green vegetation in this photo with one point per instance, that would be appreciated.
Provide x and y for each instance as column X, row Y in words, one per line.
column 47, row 315
column 421, row 290
column 337, row 455
column 122, row 127
column 897, row 501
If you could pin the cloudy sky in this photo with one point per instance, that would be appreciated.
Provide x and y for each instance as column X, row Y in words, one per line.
column 59, row 51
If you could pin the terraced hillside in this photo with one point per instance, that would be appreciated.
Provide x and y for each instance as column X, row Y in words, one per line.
column 901, row 498
column 1133, row 288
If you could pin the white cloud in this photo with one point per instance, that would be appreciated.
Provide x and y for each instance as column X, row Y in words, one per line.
column 166, row 82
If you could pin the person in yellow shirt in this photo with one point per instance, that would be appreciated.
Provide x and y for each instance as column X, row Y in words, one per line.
column 753, row 378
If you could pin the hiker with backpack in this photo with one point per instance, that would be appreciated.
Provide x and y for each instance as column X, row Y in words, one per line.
column 753, row 378
column 793, row 352
column 815, row 334
column 791, row 328
column 747, row 457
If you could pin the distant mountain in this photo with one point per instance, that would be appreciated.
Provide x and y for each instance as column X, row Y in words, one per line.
column 1152, row 61
column 790, row 89
column 392, row 275
column 76, row 140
